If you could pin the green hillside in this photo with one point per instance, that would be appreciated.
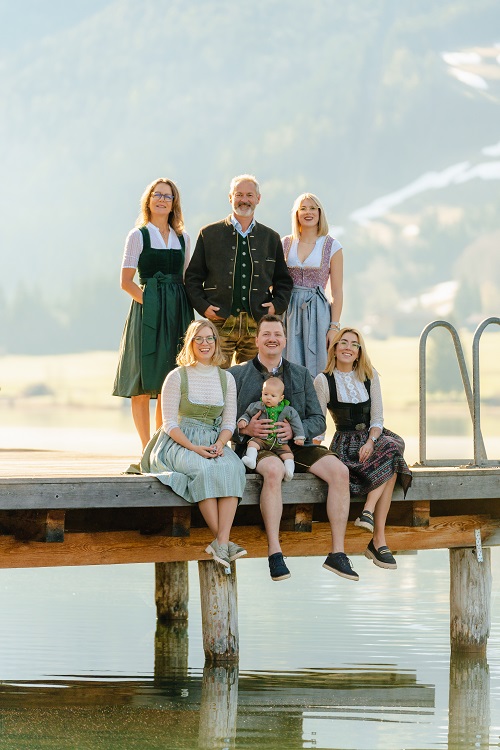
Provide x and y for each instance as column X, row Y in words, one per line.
column 353, row 102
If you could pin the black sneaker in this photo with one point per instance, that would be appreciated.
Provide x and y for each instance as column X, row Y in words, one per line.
column 382, row 556
column 277, row 567
column 340, row 564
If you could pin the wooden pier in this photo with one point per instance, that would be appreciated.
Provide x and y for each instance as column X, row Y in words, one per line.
column 58, row 508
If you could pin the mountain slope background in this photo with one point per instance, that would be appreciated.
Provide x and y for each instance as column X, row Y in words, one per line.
column 388, row 110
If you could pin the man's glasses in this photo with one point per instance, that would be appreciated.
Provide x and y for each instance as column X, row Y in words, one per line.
column 354, row 344
column 165, row 196
column 201, row 339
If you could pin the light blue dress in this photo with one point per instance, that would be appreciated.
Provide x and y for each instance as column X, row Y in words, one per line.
column 307, row 318
column 189, row 475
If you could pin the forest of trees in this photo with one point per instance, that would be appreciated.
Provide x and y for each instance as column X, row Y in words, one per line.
column 99, row 104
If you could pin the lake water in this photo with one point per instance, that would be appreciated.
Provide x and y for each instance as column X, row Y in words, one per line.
column 324, row 663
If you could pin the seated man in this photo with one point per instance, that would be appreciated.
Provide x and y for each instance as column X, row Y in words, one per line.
column 321, row 462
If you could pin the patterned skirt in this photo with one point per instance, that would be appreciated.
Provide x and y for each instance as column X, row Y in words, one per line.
column 385, row 461
column 189, row 475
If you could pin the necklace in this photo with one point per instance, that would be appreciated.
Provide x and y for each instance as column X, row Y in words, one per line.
column 165, row 233
column 308, row 243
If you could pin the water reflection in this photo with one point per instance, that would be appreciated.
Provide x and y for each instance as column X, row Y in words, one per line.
column 469, row 702
column 94, row 670
column 216, row 708
column 220, row 708
column 171, row 649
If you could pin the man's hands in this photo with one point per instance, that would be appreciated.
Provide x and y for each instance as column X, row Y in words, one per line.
column 262, row 427
column 270, row 308
column 211, row 313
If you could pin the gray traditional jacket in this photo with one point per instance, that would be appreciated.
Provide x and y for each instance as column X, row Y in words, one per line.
column 299, row 390
column 209, row 278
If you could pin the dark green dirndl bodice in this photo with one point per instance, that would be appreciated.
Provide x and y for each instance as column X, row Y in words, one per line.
column 154, row 330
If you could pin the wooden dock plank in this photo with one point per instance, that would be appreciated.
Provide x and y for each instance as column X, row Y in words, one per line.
column 59, row 480
column 442, row 509
column 109, row 548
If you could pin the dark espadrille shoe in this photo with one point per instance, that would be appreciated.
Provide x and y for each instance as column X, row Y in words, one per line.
column 365, row 521
column 382, row 556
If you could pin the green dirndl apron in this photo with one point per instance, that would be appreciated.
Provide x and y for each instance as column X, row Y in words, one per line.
column 153, row 331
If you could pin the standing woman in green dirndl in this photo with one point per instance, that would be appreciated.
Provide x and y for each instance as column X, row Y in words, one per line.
column 158, row 249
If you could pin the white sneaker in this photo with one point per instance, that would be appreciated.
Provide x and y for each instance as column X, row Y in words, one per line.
column 220, row 553
column 235, row 551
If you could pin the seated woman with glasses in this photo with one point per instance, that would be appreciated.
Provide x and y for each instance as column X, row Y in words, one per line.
column 349, row 388
column 158, row 249
column 189, row 452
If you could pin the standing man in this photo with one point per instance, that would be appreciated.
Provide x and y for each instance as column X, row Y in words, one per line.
column 238, row 272
column 299, row 390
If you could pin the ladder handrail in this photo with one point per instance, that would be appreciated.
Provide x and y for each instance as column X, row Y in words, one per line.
column 423, row 381
column 479, row 450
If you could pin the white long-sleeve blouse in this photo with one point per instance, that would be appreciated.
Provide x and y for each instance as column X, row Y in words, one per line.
column 134, row 245
column 351, row 390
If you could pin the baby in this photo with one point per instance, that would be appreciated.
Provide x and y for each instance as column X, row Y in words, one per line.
column 275, row 407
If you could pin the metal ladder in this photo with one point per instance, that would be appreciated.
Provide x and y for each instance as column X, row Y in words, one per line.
column 473, row 394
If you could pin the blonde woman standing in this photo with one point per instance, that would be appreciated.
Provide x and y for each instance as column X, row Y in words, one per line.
column 189, row 451
column 314, row 259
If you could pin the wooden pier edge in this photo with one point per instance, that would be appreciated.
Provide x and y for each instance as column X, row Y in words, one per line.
column 62, row 519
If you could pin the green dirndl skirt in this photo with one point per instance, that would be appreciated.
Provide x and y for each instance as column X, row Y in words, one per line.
column 152, row 336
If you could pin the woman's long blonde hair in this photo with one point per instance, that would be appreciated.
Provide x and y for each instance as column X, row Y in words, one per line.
column 186, row 355
column 322, row 223
column 362, row 366
column 175, row 218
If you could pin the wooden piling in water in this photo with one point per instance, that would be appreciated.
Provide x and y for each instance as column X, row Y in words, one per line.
column 219, row 612
column 171, row 591
column 470, row 600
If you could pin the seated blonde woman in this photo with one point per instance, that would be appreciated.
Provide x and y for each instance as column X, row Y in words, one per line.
column 189, row 451
column 350, row 389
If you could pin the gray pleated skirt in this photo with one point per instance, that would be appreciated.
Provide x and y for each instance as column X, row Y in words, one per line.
column 307, row 322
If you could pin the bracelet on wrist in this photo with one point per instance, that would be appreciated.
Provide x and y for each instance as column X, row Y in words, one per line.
column 335, row 326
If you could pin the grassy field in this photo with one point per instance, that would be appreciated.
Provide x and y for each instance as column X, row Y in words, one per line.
column 77, row 387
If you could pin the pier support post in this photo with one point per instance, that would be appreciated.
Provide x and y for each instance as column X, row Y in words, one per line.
column 219, row 707
column 219, row 612
column 470, row 600
column 469, row 702
column 171, row 591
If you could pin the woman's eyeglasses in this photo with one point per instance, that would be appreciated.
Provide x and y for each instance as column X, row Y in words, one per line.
column 201, row 339
column 354, row 344
column 165, row 196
